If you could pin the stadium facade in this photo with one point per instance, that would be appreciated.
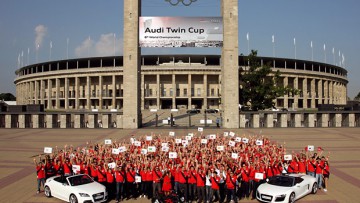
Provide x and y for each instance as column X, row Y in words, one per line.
column 168, row 82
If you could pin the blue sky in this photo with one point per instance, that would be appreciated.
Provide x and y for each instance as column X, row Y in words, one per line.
column 91, row 24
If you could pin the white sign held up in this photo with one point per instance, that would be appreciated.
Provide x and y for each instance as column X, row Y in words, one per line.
column 47, row 150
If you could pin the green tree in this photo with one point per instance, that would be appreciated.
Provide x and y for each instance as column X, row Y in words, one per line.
column 7, row 97
column 357, row 96
column 260, row 86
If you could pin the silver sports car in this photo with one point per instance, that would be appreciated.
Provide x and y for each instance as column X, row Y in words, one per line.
column 286, row 188
column 76, row 188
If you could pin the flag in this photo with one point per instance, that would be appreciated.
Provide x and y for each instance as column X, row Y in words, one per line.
column 294, row 41
column 311, row 45
column 22, row 53
column 273, row 39
column 324, row 47
column 50, row 44
column 247, row 36
column 333, row 51
column 28, row 51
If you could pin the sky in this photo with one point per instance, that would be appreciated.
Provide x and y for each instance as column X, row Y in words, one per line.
column 42, row 30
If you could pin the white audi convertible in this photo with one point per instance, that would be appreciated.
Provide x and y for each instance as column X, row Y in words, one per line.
column 76, row 188
column 286, row 188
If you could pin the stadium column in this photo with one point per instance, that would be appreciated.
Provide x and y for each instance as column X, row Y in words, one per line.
column 49, row 94
column 325, row 92
column 36, row 91
column 313, row 93
column 331, row 96
column 31, row 93
column 158, row 93
column 205, row 91
column 113, row 101
column 173, row 91
column 230, row 64
column 132, row 52
column 189, row 92
column 77, row 92
column 143, row 89
column 305, row 93
column 66, row 92
column 88, row 92
column 320, row 92
column 42, row 91
column 100, row 92
column 296, row 96
column 57, row 84
column 286, row 96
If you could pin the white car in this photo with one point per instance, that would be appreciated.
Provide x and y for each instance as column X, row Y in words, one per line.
column 76, row 188
column 286, row 188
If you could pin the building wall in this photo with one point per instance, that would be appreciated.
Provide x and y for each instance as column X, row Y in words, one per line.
column 165, row 86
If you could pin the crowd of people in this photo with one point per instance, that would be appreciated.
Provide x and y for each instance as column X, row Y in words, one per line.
column 198, row 167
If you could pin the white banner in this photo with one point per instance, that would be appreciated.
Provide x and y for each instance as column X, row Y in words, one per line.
column 172, row 155
column 47, row 150
column 108, row 141
column 259, row 176
column 180, row 31
column 288, row 157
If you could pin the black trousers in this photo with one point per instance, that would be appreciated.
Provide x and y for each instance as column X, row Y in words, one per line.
column 201, row 194
column 192, row 190
column 183, row 187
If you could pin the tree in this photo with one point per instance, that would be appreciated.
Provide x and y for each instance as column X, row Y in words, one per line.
column 357, row 97
column 260, row 86
column 7, row 97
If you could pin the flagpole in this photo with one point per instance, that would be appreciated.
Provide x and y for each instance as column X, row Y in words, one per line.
column 273, row 41
column 114, row 42
column 22, row 58
column 295, row 46
column 67, row 48
column 50, row 50
column 28, row 56
column 247, row 37
column 325, row 53
column 312, row 51
column 37, row 53
column 333, row 51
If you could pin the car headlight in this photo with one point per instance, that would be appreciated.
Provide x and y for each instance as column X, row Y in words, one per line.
column 280, row 198
column 84, row 195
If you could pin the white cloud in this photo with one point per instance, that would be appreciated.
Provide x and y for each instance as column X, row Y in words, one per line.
column 40, row 34
column 103, row 47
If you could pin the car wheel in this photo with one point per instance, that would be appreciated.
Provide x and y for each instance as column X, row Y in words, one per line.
column 292, row 198
column 73, row 199
column 47, row 191
column 314, row 188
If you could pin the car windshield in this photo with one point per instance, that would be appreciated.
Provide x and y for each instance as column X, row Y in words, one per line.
column 80, row 180
column 281, row 181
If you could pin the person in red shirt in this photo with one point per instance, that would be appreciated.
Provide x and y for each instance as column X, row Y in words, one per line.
column 311, row 165
column 119, row 179
column 215, row 189
column 257, row 181
column 183, row 177
column 142, row 173
column 166, row 188
column 319, row 172
column 231, row 185
column 110, row 183
column 244, row 188
column 326, row 174
column 67, row 166
column 149, row 182
column 40, row 173
column 130, row 183
column 192, row 183
column 302, row 166
column 157, row 176
column 200, row 184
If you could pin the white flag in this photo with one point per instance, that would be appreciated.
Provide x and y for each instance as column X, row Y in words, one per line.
column 50, row 44
column 294, row 41
column 311, row 45
column 324, row 47
column 333, row 51
column 247, row 36
column 273, row 39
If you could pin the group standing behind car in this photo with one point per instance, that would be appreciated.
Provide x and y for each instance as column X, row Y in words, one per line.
column 206, row 168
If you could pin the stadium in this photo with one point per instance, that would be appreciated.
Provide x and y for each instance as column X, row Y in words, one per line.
column 168, row 82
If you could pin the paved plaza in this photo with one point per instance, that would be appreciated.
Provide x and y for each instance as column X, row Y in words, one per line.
column 18, row 146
